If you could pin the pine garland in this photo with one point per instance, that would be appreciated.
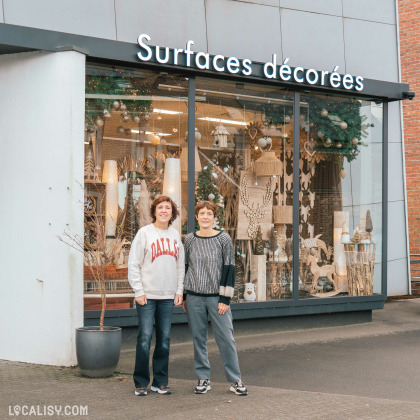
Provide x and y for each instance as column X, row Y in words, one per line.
column 326, row 116
column 120, row 84
column 278, row 114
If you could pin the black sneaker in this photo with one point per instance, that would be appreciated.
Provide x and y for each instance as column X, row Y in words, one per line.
column 142, row 391
column 203, row 386
column 239, row 388
column 162, row 389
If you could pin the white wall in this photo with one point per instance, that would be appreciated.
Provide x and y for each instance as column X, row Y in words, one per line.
column 41, row 152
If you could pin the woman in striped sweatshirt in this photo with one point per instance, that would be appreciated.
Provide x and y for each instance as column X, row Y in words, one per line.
column 209, row 284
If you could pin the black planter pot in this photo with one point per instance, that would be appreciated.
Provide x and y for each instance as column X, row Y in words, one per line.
column 98, row 351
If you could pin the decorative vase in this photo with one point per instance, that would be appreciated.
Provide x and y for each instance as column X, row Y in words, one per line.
column 172, row 186
column 110, row 178
column 98, row 352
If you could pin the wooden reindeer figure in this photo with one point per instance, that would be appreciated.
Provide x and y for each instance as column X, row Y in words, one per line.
column 324, row 271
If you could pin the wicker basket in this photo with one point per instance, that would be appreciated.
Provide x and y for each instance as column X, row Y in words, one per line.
column 283, row 215
column 267, row 165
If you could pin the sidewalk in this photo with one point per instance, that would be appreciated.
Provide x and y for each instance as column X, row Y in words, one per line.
column 286, row 394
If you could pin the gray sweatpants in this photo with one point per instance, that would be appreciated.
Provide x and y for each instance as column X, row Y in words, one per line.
column 199, row 310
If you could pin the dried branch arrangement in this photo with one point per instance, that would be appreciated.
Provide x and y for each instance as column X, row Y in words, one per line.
column 360, row 259
column 100, row 257
column 145, row 170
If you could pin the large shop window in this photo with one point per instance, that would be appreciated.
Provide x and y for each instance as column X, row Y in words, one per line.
column 340, row 197
column 246, row 155
column 136, row 122
column 136, row 148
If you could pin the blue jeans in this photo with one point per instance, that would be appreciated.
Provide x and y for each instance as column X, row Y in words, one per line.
column 158, row 312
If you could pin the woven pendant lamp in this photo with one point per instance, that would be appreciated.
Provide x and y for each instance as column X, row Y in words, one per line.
column 267, row 165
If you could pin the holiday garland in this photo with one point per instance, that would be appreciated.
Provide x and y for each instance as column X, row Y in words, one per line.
column 120, row 84
column 277, row 114
column 337, row 126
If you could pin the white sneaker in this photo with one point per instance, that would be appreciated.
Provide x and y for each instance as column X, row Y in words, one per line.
column 163, row 389
column 141, row 391
column 203, row 386
column 239, row 388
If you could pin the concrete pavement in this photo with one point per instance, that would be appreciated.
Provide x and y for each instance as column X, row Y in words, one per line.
column 363, row 371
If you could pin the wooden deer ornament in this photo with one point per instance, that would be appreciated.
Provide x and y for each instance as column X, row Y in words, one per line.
column 324, row 271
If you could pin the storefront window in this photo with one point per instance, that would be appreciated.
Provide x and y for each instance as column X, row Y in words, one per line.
column 340, row 197
column 135, row 127
column 244, row 146
column 136, row 147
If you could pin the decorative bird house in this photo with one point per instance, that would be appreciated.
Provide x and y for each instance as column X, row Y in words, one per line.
column 220, row 135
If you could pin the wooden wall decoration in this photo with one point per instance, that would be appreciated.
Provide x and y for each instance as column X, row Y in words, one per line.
column 257, row 191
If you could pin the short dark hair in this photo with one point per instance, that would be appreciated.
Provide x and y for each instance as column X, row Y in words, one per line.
column 161, row 199
column 205, row 204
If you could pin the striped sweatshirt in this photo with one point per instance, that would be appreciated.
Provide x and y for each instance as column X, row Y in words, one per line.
column 209, row 266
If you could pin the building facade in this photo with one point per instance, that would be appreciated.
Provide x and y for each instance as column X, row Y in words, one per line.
column 410, row 54
column 286, row 114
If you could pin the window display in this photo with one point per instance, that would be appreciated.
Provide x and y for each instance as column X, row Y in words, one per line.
column 341, row 188
column 135, row 130
column 246, row 144
column 136, row 147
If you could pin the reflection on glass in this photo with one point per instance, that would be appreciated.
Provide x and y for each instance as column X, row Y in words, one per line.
column 245, row 149
column 340, row 197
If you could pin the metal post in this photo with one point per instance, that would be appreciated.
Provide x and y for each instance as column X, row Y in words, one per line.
column 191, row 154
column 296, row 187
column 385, row 200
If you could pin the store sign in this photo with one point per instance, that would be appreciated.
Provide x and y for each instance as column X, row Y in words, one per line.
column 232, row 65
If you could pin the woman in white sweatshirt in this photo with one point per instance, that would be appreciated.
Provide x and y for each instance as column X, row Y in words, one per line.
column 156, row 274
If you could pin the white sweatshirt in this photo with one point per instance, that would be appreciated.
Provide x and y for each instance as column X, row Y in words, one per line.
column 156, row 263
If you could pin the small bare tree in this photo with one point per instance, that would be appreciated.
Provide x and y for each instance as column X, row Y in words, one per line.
column 98, row 250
